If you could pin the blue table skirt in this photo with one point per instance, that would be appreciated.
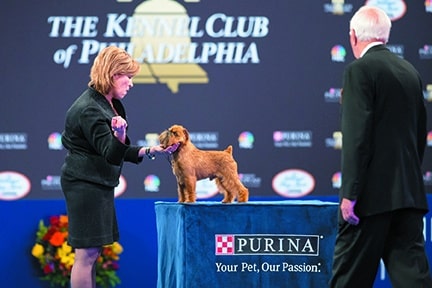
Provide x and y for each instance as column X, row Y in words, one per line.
column 255, row 244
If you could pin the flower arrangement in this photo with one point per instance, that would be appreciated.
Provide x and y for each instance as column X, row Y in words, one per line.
column 55, row 257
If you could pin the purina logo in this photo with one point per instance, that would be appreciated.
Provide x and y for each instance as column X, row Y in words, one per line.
column 267, row 244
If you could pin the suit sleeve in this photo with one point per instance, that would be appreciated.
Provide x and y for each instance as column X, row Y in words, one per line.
column 421, row 127
column 356, row 124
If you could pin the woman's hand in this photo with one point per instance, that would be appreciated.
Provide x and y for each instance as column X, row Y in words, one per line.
column 118, row 126
column 152, row 150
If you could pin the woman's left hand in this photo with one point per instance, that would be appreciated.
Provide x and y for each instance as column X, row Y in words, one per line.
column 118, row 124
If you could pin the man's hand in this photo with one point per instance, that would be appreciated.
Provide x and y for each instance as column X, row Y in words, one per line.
column 347, row 209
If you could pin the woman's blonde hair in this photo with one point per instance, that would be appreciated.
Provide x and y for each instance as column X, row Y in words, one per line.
column 109, row 62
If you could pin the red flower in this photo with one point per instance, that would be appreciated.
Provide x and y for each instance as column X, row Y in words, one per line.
column 54, row 220
column 107, row 251
column 49, row 234
column 57, row 239
column 48, row 268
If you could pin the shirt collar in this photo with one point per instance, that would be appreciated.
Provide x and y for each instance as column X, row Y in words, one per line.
column 370, row 45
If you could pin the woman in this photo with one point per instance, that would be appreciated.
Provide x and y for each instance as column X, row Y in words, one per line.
column 97, row 143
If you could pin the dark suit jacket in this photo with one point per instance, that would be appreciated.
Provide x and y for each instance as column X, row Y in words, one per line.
column 384, row 134
column 94, row 154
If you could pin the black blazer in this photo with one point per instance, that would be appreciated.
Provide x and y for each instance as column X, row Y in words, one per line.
column 384, row 134
column 94, row 154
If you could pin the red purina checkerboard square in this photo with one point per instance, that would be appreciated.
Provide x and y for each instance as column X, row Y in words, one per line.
column 224, row 244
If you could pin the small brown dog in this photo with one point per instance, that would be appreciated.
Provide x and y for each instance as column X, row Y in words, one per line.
column 191, row 164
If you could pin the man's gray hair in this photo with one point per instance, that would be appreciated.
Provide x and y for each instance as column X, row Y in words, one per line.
column 371, row 24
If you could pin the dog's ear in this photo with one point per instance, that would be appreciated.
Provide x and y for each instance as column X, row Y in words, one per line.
column 163, row 138
column 186, row 134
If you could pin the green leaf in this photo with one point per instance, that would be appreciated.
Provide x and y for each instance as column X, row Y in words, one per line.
column 41, row 231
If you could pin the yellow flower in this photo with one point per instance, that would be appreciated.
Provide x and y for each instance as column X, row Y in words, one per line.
column 37, row 250
column 65, row 254
column 117, row 248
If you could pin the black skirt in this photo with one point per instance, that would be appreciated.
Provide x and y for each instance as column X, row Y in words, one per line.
column 91, row 212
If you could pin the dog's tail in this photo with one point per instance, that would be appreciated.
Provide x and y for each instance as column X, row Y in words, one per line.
column 229, row 149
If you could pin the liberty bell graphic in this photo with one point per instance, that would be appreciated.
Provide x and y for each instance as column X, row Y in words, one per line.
column 162, row 43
